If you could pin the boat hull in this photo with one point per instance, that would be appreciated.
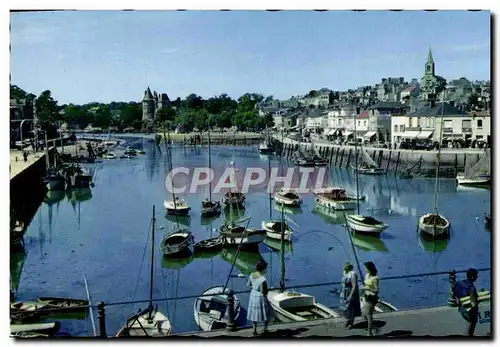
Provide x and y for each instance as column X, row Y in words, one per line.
column 433, row 230
column 140, row 326
column 339, row 205
column 359, row 226
column 55, row 183
column 204, row 320
column 248, row 239
column 369, row 171
column 168, row 248
column 474, row 182
column 286, row 201
column 272, row 234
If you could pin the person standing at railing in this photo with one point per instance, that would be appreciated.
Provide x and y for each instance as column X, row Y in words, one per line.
column 349, row 295
column 259, row 309
column 371, row 290
column 467, row 299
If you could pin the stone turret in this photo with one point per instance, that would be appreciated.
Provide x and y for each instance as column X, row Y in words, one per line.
column 148, row 106
column 163, row 100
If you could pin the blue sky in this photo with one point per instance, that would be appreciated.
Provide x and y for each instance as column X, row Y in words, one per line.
column 85, row 56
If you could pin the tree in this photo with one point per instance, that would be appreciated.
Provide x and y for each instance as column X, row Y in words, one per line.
column 76, row 115
column 16, row 92
column 48, row 113
column 102, row 118
column 165, row 114
column 131, row 115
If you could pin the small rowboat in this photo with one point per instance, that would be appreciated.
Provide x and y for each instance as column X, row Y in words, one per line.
column 434, row 225
column 211, row 309
column 209, row 245
column 176, row 242
column 63, row 303
column 41, row 328
column 365, row 224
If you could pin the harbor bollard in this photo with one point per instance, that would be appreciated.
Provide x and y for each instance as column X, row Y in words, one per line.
column 452, row 280
column 101, row 315
column 231, row 326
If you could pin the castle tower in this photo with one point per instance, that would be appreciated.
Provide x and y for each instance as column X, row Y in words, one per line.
column 163, row 100
column 148, row 106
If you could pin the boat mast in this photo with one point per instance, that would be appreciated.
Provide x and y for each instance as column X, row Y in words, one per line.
column 438, row 158
column 169, row 158
column 47, row 160
column 209, row 164
column 356, row 164
column 152, row 264
column 282, row 243
column 270, row 194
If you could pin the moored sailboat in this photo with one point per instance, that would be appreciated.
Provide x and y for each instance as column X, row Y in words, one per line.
column 477, row 175
column 210, row 208
column 148, row 322
column 435, row 224
column 334, row 198
column 287, row 197
column 368, row 165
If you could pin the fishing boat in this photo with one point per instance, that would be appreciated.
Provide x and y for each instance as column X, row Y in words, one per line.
column 211, row 309
column 212, row 244
column 148, row 322
column 477, row 175
column 274, row 229
column 287, row 197
column 49, row 329
column 233, row 235
column 290, row 306
column 234, row 199
column 334, row 198
column 77, row 177
column 316, row 156
column 110, row 155
column 53, row 179
column 300, row 160
column 365, row 224
column 176, row 242
column 358, row 222
column 435, row 224
column 177, row 207
column 368, row 165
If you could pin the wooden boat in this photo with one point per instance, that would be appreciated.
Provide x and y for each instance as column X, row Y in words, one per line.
column 477, row 175
column 64, row 304
column 334, row 199
column 208, row 245
column 26, row 306
column 234, row 199
column 210, row 208
column 290, row 306
column 149, row 322
column 368, row 165
column 434, row 225
column 273, row 230
column 177, row 207
column 211, row 309
column 28, row 335
column 287, row 197
column 365, row 224
column 50, row 328
column 54, row 181
column 176, row 242
column 109, row 156
column 234, row 235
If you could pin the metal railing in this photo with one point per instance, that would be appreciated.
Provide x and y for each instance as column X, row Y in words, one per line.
column 231, row 326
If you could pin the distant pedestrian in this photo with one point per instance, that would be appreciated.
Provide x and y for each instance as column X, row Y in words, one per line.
column 371, row 290
column 259, row 309
column 349, row 296
column 465, row 294
column 25, row 155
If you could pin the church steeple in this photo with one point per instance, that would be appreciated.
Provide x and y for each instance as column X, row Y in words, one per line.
column 429, row 65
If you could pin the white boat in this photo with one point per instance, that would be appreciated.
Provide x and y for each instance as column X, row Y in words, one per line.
column 428, row 225
column 211, row 310
column 334, row 198
column 177, row 207
column 236, row 235
column 368, row 165
column 149, row 322
column 477, row 174
column 50, row 328
column 365, row 224
column 287, row 197
column 290, row 306
column 109, row 156
column 273, row 230
column 176, row 242
column 146, row 323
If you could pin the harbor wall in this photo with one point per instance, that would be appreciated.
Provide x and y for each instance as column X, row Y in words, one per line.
column 393, row 161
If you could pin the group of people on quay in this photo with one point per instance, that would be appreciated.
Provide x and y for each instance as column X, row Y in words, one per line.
column 260, row 311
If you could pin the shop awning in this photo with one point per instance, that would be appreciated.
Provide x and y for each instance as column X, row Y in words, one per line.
column 425, row 134
column 410, row 134
column 369, row 134
column 330, row 132
column 348, row 133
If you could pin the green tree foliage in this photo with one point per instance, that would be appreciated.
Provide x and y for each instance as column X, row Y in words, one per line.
column 76, row 115
column 131, row 115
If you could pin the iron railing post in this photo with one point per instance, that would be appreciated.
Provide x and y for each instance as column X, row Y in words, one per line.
column 101, row 315
column 452, row 280
column 231, row 325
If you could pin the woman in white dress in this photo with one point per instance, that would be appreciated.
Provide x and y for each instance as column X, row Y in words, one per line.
column 259, row 309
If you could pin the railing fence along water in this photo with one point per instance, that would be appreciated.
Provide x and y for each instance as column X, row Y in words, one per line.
column 231, row 326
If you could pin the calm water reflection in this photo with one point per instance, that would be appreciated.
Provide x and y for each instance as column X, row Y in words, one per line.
column 104, row 233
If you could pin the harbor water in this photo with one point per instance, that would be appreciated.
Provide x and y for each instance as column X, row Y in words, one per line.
column 105, row 234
